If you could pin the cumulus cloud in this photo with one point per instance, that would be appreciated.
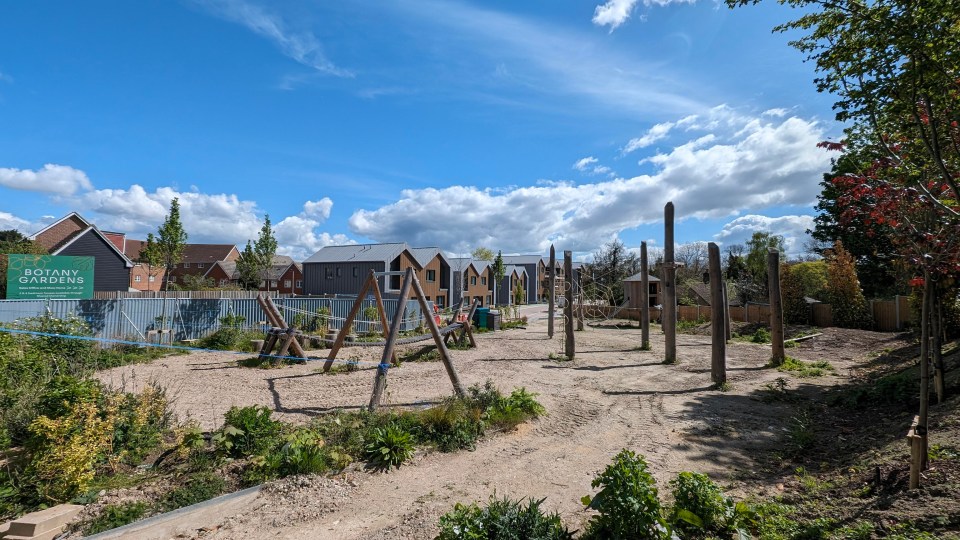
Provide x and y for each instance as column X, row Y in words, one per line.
column 301, row 46
column 50, row 179
column 654, row 134
column 299, row 234
column 589, row 165
column 763, row 163
column 613, row 13
column 792, row 228
column 9, row 221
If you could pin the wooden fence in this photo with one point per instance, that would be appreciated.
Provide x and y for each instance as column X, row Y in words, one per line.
column 888, row 315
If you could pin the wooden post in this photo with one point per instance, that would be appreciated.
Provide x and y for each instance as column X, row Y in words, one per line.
column 668, row 315
column 345, row 329
column 289, row 337
column 776, row 307
column 271, row 307
column 644, row 298
column 551, row 302
column 727, row 332
column 383, row 313
column 569, row 345
column 718, row 364
column 380, row 381
column 916, row 456
column 438, row 339
column 466, row 332
column 925, row 315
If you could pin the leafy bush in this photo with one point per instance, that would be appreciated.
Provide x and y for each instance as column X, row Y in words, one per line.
column 850, row 308
column 230, row 339
column 388, row 447
column 139, row 423
column 115, row 515
column 509, row 412
column 700, row 508
column 762, row 335
column 627, row 502
column 248, row 431
column 200, row 487
column 502, row 519
column 452, row 425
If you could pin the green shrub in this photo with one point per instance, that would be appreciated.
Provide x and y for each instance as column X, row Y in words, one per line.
column 806, row 369
column 502, row 519
column 762, row 335
column 115, row 515
column 200, row 487
column 388, row 447
column 509, row 412
column 627, row 502
column 700, row 509
column 248, row 431
column 230, row 339
column 452, row 425
column 140, row 422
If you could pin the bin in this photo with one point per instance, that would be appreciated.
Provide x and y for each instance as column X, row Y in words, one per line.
column 480, row 317
column 493, row 320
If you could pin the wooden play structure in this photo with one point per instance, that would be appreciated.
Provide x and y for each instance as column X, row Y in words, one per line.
column 457, row 328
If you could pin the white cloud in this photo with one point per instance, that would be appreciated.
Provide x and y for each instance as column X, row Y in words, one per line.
column 613, row 13
column 299, row 235
column 588, row 165
column 792, row 228
column 301, row 46
column 656, row 133
column 776, row 113
column 50, row 179
column 9, row 221
column 763, row 164
column 584, row 164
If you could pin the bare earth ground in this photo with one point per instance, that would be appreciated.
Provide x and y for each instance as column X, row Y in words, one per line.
column 611, row 397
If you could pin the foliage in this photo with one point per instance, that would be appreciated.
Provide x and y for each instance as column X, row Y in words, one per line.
column 115, row 515
column 248, row 431
column 627, row 502
column 519, row 295
column 171, row 239
column 603, row 276
column 388, row 447
column 12, row 242
column 248, row 268
column 758, row 248
column 762, row 335
column 452, row 425
column 191, row 282
column 700, row 509
column 499, row 270
column 806, row 369
column 518, row 407
column 502, row 519
column 372, row 316
column 230, row 339
column 197, row 488
column 850, row 308
column 482, row 254
column 795, row 307
column 265, row 248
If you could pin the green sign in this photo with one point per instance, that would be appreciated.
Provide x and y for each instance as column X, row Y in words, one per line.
column 31, row 277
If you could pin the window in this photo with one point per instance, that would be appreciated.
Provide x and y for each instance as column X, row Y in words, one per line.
column 223, row 282
column 273, row 283
column 473, row 280
column 151, row 279
column 483, row 281
column 356, row 272
column 440, row 302
column 286, row 283
column 199, row 265
column 299, row 283
column 329, row 273
column 173, row 279
column 262, row 284
column 338, row 272
column 431, row 275
column 186, row 265
column 136, row 279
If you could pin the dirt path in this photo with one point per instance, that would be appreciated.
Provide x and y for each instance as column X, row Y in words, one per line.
column 611, row 397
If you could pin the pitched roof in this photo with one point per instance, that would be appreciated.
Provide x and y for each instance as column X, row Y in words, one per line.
column 206, row 253
column 55, row 243
column 521, row 259
column 229, row 268
column 639, row 277
column 92, row 229
column 511, row 268
column 133, row 248
column 279, row 266
column 424, row 255
column 358, row 253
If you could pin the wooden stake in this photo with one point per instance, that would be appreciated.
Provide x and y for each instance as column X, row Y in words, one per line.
column 718, row 364
column 916, row 456
column 271, row 307
column 551, row 302
column 345, row 329
column 923, row 419
column 383, row 313
column 668, row 315
column 778, row 354
column 380, row 381
column 438, row 339
column 569, row 345
column 644, row 298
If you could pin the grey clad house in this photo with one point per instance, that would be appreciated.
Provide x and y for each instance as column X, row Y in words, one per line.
column 532, row 264
column 341, row 270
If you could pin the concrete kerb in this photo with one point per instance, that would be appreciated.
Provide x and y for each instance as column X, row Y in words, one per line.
column 188, row 519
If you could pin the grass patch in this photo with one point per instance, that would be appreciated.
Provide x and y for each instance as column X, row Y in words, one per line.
column 806, row 369
column 116, row 515
column 424, row 354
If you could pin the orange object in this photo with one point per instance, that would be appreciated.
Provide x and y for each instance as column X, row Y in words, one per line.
column 437, row 319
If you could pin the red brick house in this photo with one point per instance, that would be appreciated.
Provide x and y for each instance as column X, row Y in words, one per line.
column 142, row 277
column 199, row 258
column 73, row 235
column 285, row 276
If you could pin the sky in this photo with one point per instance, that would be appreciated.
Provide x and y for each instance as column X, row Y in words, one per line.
column 458, row 124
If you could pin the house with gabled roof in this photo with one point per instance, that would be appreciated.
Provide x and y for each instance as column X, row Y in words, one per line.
column 198, row 258
column 435, row 274
column 342, row 269
column 535, row 267
column 284, row 276
column 513, row 277
column 74, row 236
column 633, row 290
column 143, row 277
column 472, row 280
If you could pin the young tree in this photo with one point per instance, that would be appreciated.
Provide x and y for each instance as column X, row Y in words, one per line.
column 756, row 260
column 151, row 257
column 482, row 254
column 171, row 241
column 499, row 271
column 605, row 274
column 248, row 268
column 795, row 308
column 264, row 249
column 13, row 242
column 850, row 308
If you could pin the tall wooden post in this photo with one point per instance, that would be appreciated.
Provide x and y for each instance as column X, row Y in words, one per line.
column 925, row 355
column 644, row 299
column 579, row 300
column 718, row 364
column 776, row 307
column 437, row 338
column 551, row 302
column 669, row 312
column 569, row 346
column 380, row 382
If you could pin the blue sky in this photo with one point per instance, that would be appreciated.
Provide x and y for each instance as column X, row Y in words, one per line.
column 504, row 124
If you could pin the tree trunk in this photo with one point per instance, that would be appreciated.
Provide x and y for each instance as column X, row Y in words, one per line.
column 778, row 353
column 644, row 299
column 925, row 364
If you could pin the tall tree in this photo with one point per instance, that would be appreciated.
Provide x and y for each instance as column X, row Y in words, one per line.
column 604, row 275
column 850, row 308
column 248, row 268
column 499, row 271
column 171, row 241
column 151, row 257
column 756, row 260
column 264, row 249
